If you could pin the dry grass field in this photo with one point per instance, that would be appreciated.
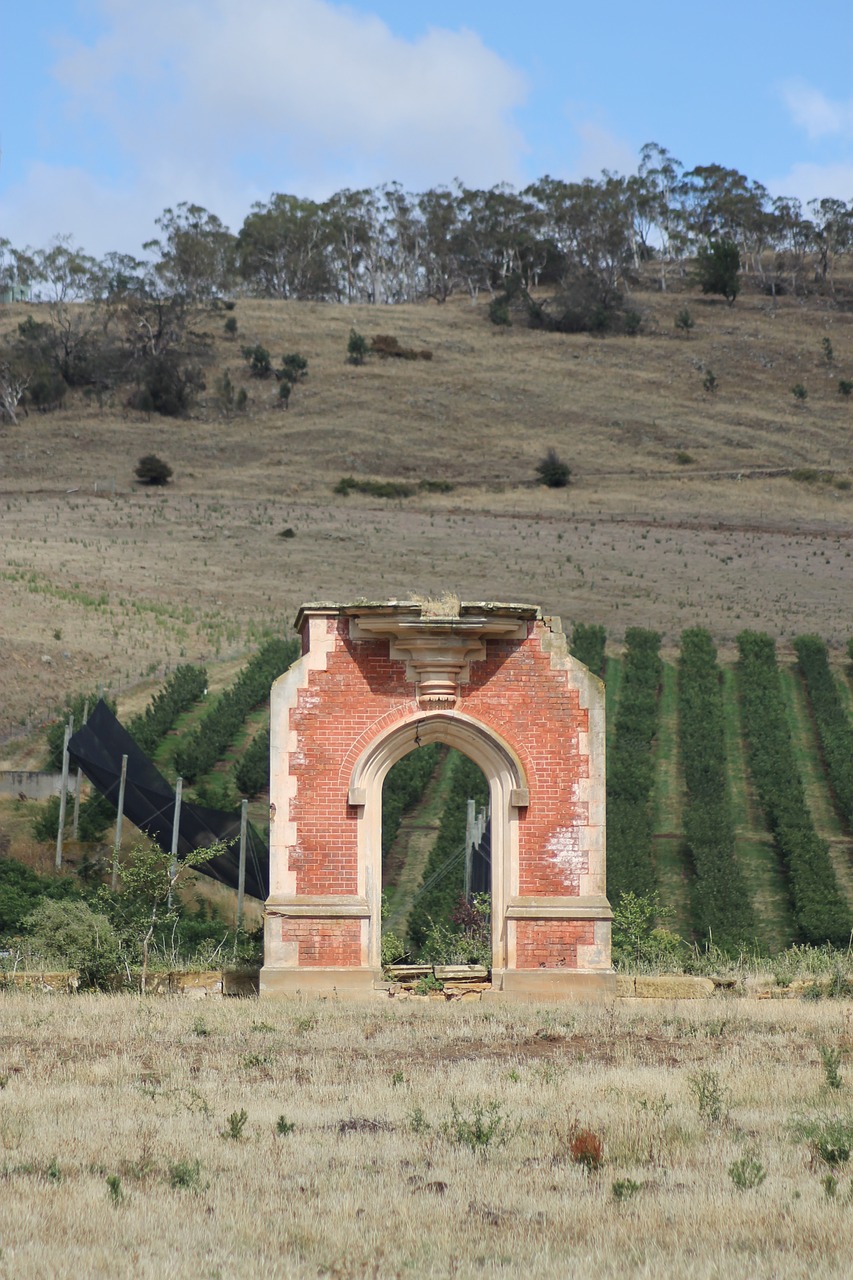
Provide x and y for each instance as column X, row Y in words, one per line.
column 102, row 588
column 215, row 1139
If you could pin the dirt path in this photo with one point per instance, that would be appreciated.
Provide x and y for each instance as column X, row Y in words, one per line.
column 413, row 844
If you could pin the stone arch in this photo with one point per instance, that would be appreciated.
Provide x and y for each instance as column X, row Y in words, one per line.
column 497, row 682
column 507, row 791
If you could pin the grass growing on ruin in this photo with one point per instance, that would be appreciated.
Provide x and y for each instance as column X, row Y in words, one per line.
column 312, row 1138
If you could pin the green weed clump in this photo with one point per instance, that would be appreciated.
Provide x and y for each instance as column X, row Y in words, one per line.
column 747, row 1173
column 483, row 1126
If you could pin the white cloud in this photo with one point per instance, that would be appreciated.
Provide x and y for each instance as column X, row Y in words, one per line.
column 602, row 149
column 221, row 104
column 809, row 181
column 815, row 113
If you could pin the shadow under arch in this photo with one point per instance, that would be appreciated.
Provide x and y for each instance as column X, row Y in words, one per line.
column 508, row 792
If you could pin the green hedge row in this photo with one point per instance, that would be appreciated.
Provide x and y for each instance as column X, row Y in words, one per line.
column 252, row 770
column 819, row 909
column 439, row 902
column 630, row 768
column 721, row 908
column 184, row 687
column 200, row 750
column 833, row 724
column 588, row 641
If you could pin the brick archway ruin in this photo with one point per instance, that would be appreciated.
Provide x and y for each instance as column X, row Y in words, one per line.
column 495, row 681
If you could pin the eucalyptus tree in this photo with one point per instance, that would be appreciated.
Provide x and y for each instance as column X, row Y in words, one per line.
column 282, row 248
column 196, row 253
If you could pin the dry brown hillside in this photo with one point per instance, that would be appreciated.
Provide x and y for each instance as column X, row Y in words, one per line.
column 102, row 588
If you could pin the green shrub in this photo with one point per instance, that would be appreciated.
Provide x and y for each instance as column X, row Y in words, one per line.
column 482, row 1126
column 71, row 935
column 684, row 321
column 552, row 471
column 357, row 348
column 747, row 1173
column 153, row 470
column 374, row 488
column 230, row 326
column 845, row 387
column 258, row 359
column 799, row 392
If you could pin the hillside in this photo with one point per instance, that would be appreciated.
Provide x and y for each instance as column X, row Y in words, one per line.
column 108, row 588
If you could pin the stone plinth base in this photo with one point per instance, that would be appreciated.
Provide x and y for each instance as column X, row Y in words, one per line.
column 348, row 984
column 553, row 984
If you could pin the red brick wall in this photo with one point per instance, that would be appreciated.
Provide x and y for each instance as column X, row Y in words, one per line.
column 551, row 944
column 325, row 943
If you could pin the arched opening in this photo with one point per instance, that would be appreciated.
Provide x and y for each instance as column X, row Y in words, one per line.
column 506, row 789
column 436, row 859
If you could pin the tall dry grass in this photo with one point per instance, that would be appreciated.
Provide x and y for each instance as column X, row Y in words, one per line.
column 115, row 1157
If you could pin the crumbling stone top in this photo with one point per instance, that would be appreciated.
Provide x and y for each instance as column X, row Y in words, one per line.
column 447, row 609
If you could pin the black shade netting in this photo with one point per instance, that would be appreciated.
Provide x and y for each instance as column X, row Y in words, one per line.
column 149, row 803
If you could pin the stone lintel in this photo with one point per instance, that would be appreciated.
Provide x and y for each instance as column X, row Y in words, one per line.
column 540, row 908
column 320, row 907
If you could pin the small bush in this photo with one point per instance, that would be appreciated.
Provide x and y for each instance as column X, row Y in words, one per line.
column 284, row 390
column 283, row 1127
column 71, row 934
column 258, row 360
column 632, row 322
column 499, row 311
column 710, row 1095
column 709, row 382
column 684, row 321
column 625, row 1189
column 829, row 1137
column 587, row 1150
column 153, row 470
column 747, row 1173
column 235, row 1124
column 799, row 392
column 831, row 1062
column 683, row 458
column 826, row 346
column 845, row 386
column 230, row 326
column 185, row 1175
column 357, row 348
column 374, row 488
column 552, row 471
column 483, row 1126
column 294, row 368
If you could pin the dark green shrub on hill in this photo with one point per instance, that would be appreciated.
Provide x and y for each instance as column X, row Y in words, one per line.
column 721, row 908
column 630, row 768
column 588, row 641
column 819, row 909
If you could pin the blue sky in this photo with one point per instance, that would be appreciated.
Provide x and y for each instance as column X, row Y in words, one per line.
column 112, row 109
